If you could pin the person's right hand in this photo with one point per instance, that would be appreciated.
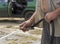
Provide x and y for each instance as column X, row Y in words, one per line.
column 24, row 25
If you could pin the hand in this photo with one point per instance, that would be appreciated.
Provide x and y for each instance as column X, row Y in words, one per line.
column 24, row 25
column 50, row 16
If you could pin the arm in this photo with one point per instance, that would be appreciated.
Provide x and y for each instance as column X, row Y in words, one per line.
column 52, row 15
column 27, row 23
column 32, row 19
column 57, row 11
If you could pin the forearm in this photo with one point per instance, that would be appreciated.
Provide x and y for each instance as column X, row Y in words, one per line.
column 32, row 19
column 57, row 11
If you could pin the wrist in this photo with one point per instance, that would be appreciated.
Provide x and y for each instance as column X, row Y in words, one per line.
column 31, row 21
column 57, row 11
column 28, row 21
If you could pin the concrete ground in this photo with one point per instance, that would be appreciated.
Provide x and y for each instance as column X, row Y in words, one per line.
column 6, row 27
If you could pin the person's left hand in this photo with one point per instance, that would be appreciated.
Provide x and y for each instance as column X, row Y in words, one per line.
column 50, row 16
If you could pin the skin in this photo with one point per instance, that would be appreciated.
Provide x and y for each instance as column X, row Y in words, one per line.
column 49, row 17
column 52, row 15
column 27, row 23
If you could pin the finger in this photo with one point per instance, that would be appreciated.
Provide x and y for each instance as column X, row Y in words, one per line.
column 23, row 29
column 47, row 19
column 21, row 24
column 24, row 26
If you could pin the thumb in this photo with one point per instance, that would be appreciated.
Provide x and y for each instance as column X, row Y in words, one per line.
column 23, row 28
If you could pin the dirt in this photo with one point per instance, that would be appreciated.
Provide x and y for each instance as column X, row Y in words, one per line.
column 17, row 38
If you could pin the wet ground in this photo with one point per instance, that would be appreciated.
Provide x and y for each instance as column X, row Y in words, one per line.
column 18, row 37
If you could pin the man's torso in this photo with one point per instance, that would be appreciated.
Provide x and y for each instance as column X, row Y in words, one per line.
column 49, row 6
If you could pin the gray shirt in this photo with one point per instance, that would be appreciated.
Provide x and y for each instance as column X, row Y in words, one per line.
column 52, row 5
column 55, row 5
